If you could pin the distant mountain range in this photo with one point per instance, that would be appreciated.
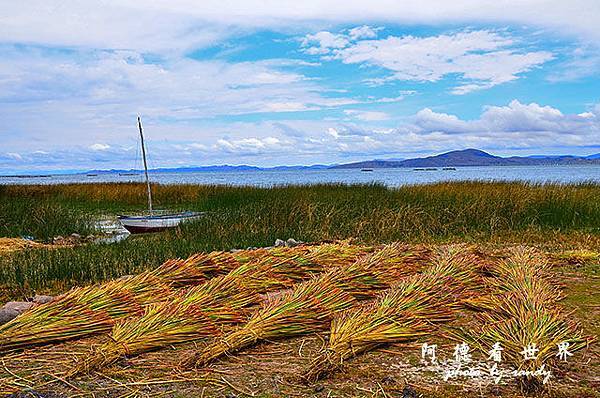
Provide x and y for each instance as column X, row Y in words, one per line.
column 472, row 157
column 200, row 169
column 467, row 157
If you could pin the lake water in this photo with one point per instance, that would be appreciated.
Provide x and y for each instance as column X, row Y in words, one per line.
column 389, row 177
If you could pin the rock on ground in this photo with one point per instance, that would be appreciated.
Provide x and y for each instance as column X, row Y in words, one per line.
column 42, row 299
column 19, row 306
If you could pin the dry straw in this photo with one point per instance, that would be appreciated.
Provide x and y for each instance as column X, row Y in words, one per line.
column 94, row 309
column 524, row 313
column 310, row 306
column 410, row 309
column 205, row 308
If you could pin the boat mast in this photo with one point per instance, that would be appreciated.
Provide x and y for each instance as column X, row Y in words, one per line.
column 145, row 165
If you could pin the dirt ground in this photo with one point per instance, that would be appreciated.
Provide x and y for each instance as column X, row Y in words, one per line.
column 272, row 369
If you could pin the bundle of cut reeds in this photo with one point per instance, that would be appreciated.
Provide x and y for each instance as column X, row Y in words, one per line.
column 524, row 273
column 310, row 306
column 219, row 301
column 524, row 314
column 406, row 311
column 194, row 315
column 94, row 309
column 91, row 310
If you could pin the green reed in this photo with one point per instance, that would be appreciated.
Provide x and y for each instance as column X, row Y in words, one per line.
column 238, row 217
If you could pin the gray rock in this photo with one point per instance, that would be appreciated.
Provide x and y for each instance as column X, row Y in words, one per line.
column 7, row 315
column 292, row 242
column 42, row 299
column 58, row 239
column 19, row 306
column 279, row 243
column 90, row 237
column 75, row 236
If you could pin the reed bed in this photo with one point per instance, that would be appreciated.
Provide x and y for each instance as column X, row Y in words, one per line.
column 524, row 314
column 410, row 309
column 220, row 301
column 252, row 216
column 310, row 306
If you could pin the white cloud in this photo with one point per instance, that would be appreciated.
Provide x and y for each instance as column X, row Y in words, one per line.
column 582, row 62
column 290, row 106
column 428, row 120
column 362, row 32
column 367, row 116
column 250, row 146
column 99, row 147
column 323, row 42
column 176, row 25
column 482, row 58
column 333, row 132
column 14, row 155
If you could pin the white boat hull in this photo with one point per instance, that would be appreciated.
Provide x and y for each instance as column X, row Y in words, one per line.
column 144, row 224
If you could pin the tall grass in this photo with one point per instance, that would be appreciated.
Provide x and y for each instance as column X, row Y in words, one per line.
column 238, row 217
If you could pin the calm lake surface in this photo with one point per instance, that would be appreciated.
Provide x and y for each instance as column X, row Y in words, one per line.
column 389, row 177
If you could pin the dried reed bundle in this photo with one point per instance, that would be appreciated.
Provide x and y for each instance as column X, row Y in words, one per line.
column 191, row 316
column 408, row 310
column 307, row 308
column 220, row 300
column 91, row 310
column 524, row 314
column 522, row 323
column 79, row 312
column 368, row 275
column 94, row 309
column 199, row 267
column 310, row 306
column 292, row 265
column 525, row 273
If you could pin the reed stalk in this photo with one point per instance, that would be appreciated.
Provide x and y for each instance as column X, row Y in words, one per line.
column 408, row 310
column 95, row 309
column 221, row 300
column 310, row 306
column 524, row 312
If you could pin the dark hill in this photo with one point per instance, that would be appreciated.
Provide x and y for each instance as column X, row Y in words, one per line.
column 471, row 157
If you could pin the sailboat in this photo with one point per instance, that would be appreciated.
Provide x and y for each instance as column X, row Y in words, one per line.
column 153, row 222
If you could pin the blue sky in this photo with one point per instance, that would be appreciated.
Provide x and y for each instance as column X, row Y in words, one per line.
column 269, row 83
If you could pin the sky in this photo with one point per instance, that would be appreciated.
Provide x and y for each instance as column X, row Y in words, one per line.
column 293, row 82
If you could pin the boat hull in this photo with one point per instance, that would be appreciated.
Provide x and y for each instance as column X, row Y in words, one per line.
column 147, row 224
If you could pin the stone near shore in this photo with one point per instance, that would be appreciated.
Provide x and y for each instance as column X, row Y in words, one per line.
column 7, row 315
column 292, row 242
column 19, row 306
column 42, row 299
column 12, row 309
